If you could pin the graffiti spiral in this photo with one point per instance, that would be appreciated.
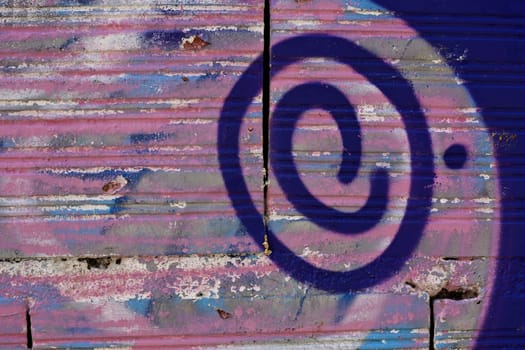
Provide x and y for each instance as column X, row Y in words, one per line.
column 409, row 206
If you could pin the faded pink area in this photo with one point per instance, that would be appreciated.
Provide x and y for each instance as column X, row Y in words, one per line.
column 13, row 333
column 93, row 26
column 113, row 236
column 319, row 175
column 321, row 10
column 106, row 322
column 273, row 318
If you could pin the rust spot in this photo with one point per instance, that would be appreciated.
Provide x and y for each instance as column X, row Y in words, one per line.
column 266, row 245
column 224, row 314
column 185, row 79
column 109, row 187
column 250, row 129
column 194, row 43
column 115, row 185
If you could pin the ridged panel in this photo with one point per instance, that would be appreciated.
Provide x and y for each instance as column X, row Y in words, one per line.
column 464, row 210
column 211, row 300
column 13, row 330
column 112, row 126
column 109, row 137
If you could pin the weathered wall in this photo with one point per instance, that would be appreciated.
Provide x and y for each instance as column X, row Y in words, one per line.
column 305, row 174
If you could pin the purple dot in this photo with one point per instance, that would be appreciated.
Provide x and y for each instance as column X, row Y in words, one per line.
column 455, row 156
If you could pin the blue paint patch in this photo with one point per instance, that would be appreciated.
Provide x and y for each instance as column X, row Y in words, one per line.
column 392, row 339
column 81, row 330
column 140, row 306
column 72, row 210
column 77, row 2
column 170, row 12
column 120, row 205
column 133, row 177
column 68, row 43
column 367, row 9
column 344, row 303
column 165, row 39
column 4, row 300
column 146, row 138
column 90, row 345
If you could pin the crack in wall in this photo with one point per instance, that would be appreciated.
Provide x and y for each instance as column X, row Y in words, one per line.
column 444, row 293
column 29, row 332
column 266, row 119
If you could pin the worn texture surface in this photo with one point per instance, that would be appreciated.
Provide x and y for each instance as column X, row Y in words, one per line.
column 332, row 174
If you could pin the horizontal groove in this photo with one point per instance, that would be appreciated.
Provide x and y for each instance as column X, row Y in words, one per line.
column 316, row 156
column 470, row 174
column 222, row 338
column 161, row 61
column 380, row 126
column 84, row 103
column 424, row 78
column 390, row 219
column 130, row 201
column 135, row 72
column 175, row 165
column 303, row 159
column 101, row 16
column 113, row 57
column 179, row 166
column 39, row 16
column 355, row 200
column 280, row 26
column 168, row 195
column 65, row 30
column 394, row 168
column 420, row 17
column 102, row 115
column 96, row 158
column 105, row 113
column 154, row 148
column 192, row 6
column 87, row 171
column 160, row 195
column 393, row 32
column 392, row 207
column 125, row 215
column 386, row 79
